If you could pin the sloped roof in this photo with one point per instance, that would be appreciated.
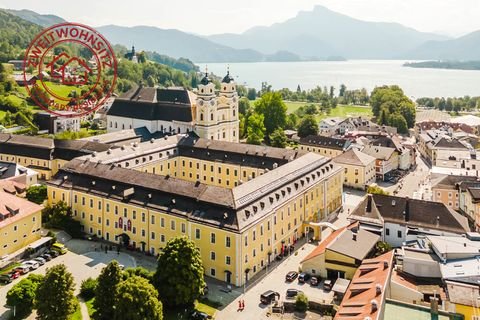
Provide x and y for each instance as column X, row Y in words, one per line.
column 320, row 249
column 412, row 212
column 468, row 119
column 154, row 104
column 378, row 152
column 354, row 157
column 451, row 181
column 9, row 201
column 325, row 142
column 358, row 248
column 372, row 275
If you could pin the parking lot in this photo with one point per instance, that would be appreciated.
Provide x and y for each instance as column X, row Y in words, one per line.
column 83, row 266
column 275, row 281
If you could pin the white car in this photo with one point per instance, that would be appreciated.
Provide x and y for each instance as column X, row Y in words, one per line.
column 40, row 261
column 32, row 264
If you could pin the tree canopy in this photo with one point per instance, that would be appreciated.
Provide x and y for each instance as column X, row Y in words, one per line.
column 179, row 276
column 22, row 295
column 137, row 299
column 274, row 110
column 55, row 299
column 106, row 291
column 308, row 126
column 278, row 139
column 255, row 129
column 387, row 101
column 37, row 193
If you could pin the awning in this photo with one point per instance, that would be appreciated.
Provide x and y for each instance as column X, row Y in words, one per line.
column 39, row 242
column 341, row 285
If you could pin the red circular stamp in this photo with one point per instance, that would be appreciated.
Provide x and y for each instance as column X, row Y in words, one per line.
column 70, row 70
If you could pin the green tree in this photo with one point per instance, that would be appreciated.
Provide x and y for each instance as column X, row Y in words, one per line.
column 278, row 139
column 343, row 88
column 179, row 276
column 243, row 106
column 382, row 247
column 55, row 299
column 393, row 101
column 59, row 215
column 274, row 110
column 252, row 94
column 383, row 117
column 106, row 291
column 37, row 193
column 308, row 126
column 40, row 96
column 88, row 287
column 137, row 299
column 22, row 295
column 398, row 121
column 292, row 121
column 255, row 129
column 374, row 189
column 301, row 302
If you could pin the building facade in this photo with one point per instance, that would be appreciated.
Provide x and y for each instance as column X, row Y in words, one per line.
column 20, row 223
column 358, row 169
column 240, row 204
column 210, row 114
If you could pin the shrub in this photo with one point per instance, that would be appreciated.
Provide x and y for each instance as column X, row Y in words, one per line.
column 87, row 288
column 301, row 303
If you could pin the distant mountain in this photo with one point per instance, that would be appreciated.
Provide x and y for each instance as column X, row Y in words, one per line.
column 44, row 20
column 321, row 33
column 463, row 48
column 177, row 44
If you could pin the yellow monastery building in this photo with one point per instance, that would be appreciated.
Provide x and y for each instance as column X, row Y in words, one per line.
column 239, row 203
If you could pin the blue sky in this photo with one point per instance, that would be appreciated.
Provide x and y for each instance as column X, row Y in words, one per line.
column 451, row 17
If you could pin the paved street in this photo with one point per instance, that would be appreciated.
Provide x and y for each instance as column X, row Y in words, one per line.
column 81, row 266
column 414, row 182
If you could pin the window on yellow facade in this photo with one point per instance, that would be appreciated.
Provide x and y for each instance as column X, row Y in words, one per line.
column 162, row 222
column 197, row 233
column 212, row 255
column 172, row 224
column 143, row 232
column 99, row 220
column 152, row 219
column 162, row 238
column 246, row 240
column 227, row 242
column 254, row 235
column 227, row 260
column 152, row 235
column 246, row 258
column 134, row 230
column 212, row 272
column 116, row 209
column 143, row 216
column 99, row 205
column 53, row 194
column 75, row 199
column 183, row 228
column 134, row 214
column 107, row 222
column 125, row 212
column 212, row 238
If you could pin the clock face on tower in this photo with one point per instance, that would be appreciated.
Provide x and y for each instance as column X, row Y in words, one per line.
column 200, row 102
column 222, row 100
column 212, row 103
column 234, row 99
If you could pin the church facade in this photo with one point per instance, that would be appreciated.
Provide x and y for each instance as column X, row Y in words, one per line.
column 210, row 114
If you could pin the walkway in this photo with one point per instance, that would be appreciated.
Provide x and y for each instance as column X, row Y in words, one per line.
column 83, row 309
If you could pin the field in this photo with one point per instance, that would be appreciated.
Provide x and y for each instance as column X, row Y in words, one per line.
column 59, row 89
column 341, row 111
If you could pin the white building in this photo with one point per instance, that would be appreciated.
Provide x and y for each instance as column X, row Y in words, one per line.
column 177, row 110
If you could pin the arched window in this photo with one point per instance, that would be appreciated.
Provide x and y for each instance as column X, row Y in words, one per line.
column 234, row 112
column 115, row 125
column 123, row 126
column 178, row 130
column 201, row 116
column 211, row 116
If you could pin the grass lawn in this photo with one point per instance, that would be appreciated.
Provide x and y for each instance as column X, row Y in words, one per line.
column 9, row 268
column 181, row 314
column 77, row 315
column 341, row 111
column 91, row 309
column 59, row 89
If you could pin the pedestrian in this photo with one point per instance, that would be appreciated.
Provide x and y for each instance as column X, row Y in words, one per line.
column 243, row 304
column 239, row 305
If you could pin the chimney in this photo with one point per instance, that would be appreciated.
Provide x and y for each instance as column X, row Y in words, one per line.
column 369, row 203
column 354, row 236
column 385, row 264
column 407, row 209
column 374, row 305
column 378, row 289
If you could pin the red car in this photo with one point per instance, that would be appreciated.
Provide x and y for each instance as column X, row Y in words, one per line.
column 14, row 274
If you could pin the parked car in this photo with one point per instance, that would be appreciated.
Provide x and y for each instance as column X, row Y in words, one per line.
column 268, row 296
column 197, row 315
column 40, row 260
column 46, row 256
column 32, row 263
column 314, row 281
column 327, row 285
column 23, row 269
column 14, row 274
column 60, row 248
column 303, row 277
column 292, row 275
column 5, row 278
column 53, row 253
column 292, row 293
column 279, row 257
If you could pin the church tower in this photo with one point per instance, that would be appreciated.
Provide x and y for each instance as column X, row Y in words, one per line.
column 206, row 109
column 217, row 116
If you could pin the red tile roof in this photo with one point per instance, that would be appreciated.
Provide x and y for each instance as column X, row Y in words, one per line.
column 10, row 202
column 367, row 289
column 323, row 245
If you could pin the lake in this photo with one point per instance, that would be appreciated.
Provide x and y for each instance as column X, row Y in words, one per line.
column 354, row 74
